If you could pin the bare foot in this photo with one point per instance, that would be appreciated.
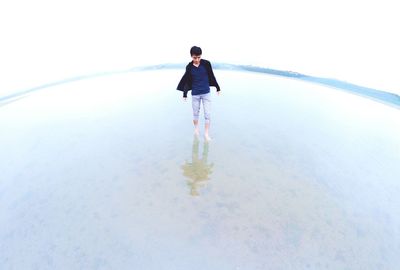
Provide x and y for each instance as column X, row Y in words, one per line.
column 207, row 137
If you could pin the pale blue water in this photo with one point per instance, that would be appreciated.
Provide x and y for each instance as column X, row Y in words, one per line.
column 390, row 97
column 105, row 173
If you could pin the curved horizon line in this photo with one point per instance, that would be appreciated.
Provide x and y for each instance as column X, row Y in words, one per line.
column 385, row 97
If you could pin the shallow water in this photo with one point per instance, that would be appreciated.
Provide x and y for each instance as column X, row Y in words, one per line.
column 106, row 174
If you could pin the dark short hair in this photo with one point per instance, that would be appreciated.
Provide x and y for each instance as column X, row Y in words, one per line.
column 195, row 51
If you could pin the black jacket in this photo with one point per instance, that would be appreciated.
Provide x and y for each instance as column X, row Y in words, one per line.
column 185, row 83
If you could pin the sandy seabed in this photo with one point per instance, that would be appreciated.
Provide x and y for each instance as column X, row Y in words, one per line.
column 106, row 174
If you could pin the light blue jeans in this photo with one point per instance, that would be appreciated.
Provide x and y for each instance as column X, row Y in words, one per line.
column 196, row 102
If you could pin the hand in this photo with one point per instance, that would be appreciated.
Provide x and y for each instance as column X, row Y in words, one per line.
column 219, row 92
column 184, row 99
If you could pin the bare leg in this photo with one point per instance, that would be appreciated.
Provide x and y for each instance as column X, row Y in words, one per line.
column 206, row 129
column 196, row 127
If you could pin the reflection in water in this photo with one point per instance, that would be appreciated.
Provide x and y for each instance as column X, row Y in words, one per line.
column 198, row 170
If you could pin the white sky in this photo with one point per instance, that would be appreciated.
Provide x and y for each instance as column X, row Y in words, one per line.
column 44, row 40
